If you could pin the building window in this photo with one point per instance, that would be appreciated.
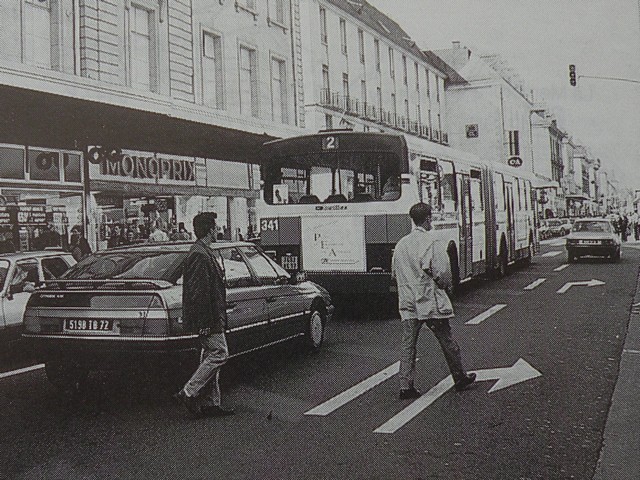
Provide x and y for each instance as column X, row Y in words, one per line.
column 345, row 85
column 418, row 114
column 248, row 82
column 323, row 25
column 343, row 35
column 392, row 70
column 363, row 91
column 325, row 81
column 426, row 72
column 379, row 95
column 376, row 45
column 394, row 108
column 37, row 34
column 405, row 75
column 212, row 81
column 279, row 12
column 328, row 122
column 406, row 109
column 429, row 119
column 417, row 68
column 361, row 44
column 514, row 143
column 437, row 89
column 439, row 125
column 279, row 91
column 142, row 50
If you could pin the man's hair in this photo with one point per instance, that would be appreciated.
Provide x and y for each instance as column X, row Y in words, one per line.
column 420, row 212
column 203, row 222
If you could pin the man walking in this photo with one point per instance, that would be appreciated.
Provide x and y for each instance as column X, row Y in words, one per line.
column 204, row 311
column 422, row 299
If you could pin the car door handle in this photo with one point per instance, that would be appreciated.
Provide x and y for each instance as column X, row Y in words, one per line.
column 272, row 299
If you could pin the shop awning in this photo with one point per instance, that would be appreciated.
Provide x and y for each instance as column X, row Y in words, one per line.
column 43, row 119
column 578, row 196
column 152, row 190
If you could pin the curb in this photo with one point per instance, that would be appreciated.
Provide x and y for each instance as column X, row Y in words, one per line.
column 619, row 458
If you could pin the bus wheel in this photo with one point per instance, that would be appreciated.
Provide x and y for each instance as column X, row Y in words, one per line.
column 502, row 264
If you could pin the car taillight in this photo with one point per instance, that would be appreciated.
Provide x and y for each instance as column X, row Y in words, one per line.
column 156, row 322
column 176, row 326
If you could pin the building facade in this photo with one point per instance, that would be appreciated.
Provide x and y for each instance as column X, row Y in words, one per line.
column 141, row 111
column 488, row 110
column 362, row 71
column 548, row 162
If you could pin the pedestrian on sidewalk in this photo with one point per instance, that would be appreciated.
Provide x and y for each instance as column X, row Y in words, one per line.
column 423, row 274
column 204, row 311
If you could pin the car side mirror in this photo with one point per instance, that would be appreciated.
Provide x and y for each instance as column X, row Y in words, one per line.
column 29, row 287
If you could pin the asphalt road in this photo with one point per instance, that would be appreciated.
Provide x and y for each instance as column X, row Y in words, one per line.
column 546, row 427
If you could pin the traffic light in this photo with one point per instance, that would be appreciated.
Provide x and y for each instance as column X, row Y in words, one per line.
column 573, row 78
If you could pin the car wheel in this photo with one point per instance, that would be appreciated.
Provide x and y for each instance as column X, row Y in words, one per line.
column 571, row 256
column 66, row 377
column 314, row 335
column 616, row 256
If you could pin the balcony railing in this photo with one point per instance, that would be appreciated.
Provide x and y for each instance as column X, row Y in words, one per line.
column 353, row 106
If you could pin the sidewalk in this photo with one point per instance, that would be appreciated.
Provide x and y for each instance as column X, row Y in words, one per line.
column 620, row 453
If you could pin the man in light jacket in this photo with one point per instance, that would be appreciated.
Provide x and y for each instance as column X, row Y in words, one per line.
column 422, row 276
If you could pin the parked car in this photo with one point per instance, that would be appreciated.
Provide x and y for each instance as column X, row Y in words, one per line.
column 20, row 275
column 124, row 305
column 593, row 236
column 559, row 226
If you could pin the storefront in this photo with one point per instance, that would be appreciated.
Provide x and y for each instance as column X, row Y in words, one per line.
column 135, row 193
column 40, row 196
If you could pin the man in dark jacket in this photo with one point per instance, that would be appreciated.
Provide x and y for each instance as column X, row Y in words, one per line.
column 204, row 311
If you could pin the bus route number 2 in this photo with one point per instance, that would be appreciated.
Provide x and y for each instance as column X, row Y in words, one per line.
column 269, row 224
column 330, row 143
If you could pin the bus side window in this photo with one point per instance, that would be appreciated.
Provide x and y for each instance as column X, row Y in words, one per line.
column 448, row 186
column 498, row 188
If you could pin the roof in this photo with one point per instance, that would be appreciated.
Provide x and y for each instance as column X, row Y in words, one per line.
column 25, row 255
column 384, row 25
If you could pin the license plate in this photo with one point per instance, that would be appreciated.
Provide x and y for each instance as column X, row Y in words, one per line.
column 590, row 242
column 98, row 325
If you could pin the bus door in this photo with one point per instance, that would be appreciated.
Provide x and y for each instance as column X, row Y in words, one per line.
column 511, row 221
column 466, row 227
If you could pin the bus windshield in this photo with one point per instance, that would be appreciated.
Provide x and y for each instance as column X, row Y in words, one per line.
column 332, row 177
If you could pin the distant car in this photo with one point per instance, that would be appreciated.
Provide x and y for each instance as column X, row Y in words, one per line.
column 122, row 306
column 593, row 236
column 20, row 275
column 559, row 226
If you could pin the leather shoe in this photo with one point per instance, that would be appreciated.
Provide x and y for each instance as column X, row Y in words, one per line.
column 408, row 393
column 190, row 403
column 465, row 382
column 216, row 411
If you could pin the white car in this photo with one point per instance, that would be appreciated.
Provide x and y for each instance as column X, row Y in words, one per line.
column 593, row 237
column 20, row 274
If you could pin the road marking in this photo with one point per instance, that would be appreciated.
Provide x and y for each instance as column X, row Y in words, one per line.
column 21, row 370
column 587, row 283
column 627, row 350
column 345, row 397
column 551, row 254
column 484, row 315
column 520, row 371
column 533, row 285
column 561, row 267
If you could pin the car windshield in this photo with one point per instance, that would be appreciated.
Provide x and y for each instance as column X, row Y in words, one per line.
column 4, row 269
column 554, row 223
column 152, row 265
column 592, row 227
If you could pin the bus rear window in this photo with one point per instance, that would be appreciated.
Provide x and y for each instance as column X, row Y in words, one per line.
column 331, row 177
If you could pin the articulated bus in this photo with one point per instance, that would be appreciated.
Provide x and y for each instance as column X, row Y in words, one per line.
column 336, row 203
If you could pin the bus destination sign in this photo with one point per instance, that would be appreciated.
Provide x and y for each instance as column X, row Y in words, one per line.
column 330, row 143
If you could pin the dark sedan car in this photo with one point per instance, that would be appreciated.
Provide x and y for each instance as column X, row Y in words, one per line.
column 124, row 305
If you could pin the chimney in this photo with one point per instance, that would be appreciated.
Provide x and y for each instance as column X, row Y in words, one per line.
column 456, row 44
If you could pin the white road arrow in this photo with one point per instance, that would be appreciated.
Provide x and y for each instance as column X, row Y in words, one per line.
column 521, row 371
column 587, row 283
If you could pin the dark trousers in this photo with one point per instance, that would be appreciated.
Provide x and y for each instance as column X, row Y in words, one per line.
column 442, row 330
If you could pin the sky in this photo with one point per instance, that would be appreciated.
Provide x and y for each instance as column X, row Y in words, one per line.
column 539, row 39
